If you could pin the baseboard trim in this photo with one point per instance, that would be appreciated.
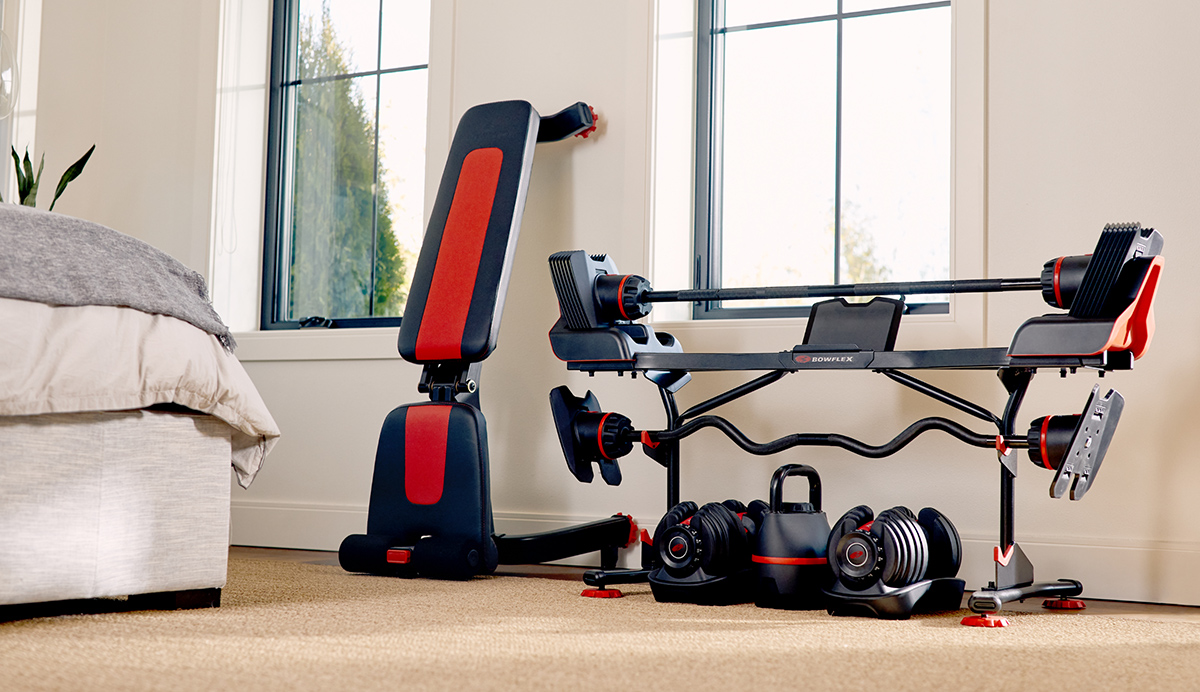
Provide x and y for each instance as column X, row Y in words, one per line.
column 322, row 527
column 297, row 526
column 1120, row 569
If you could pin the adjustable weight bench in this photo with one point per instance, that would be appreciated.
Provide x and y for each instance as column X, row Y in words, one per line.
column 430, row 510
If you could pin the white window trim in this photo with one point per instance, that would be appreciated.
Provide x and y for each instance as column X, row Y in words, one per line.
column 377, row 343
column 964, row 326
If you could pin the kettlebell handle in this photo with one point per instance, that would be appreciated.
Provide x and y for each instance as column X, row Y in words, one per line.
column 814, row 485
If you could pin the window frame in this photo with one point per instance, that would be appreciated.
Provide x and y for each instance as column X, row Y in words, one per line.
column 706, row 267
column 285, row 16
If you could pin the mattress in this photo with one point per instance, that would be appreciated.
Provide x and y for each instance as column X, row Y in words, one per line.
column 100, row 504
column 122, row 408
column 72, row 359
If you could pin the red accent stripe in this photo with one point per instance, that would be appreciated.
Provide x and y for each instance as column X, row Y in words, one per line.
column 1057, row 292
column 621, row 296
column 789, row 560
column 426, row 430
column 1042, row 443
column 1005, row 557
column 600, row 435
column 453, row 283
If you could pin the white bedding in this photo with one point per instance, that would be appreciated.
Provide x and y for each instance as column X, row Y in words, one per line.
column 64, row 359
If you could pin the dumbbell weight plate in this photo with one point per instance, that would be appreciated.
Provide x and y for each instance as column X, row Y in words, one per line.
column 895, row 548
column 921, row 561
column 906, row 523
column 945, row 547
column 850, row 521
column 910, row 553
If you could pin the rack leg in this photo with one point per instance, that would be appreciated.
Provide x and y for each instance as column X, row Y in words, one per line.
column 990, row 601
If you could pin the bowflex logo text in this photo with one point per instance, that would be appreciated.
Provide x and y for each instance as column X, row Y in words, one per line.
column 823, row 359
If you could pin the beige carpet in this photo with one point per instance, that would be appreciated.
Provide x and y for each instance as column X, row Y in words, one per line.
column 290, row 626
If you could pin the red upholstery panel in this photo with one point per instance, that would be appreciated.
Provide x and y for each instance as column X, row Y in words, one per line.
column 453, row 283
column 426, row 430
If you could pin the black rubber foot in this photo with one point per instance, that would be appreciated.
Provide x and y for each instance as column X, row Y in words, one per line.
column 176, row 600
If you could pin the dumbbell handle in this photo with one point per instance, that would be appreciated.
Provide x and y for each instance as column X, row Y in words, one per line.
column 844, row 290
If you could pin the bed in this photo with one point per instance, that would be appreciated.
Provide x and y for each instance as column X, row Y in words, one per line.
column 122, row 408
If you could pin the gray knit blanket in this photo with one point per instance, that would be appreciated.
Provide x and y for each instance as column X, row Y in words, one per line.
column 60, row 260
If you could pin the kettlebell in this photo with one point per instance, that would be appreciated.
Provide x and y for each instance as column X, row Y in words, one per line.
column 789, row 556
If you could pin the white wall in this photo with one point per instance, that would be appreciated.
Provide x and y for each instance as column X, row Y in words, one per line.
column 1089, row 115
column 137, row 79
column 1092, row 120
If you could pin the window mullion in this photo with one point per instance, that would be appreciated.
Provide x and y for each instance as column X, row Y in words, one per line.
column 375, row 170
column 705, row 202
column 717, row 163
column 837, row 157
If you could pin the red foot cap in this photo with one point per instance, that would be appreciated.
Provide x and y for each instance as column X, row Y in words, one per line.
column 633, row 529
column 984, row 620
column 1063, row 604
column 601, row 593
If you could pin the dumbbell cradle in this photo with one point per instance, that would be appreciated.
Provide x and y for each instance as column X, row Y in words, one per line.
column 894, row 564
column 704, row 552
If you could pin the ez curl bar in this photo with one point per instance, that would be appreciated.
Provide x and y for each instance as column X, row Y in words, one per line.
column 1108, row 296
column 607, row 436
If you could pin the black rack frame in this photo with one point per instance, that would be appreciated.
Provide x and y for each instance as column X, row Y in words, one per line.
column 1014, row 572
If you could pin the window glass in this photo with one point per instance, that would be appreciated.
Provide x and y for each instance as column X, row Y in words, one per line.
column 823, row 148
column 348, row 147
column 333, row 202
column 895, row 223
column 351, row 25
column 402, row 97
column 849, row 6
column 743, row 12
column 778, row 134
column 405, row 33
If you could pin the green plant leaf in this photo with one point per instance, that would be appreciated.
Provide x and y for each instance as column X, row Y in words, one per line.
column 20, row 175
column 70, row 174
column 31, row 199
column 28, row 166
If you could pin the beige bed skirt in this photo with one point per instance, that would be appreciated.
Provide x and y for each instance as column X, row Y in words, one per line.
column 112, row 504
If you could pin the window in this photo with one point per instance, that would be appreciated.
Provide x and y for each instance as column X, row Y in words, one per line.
column 823, row 147
column 346, row 161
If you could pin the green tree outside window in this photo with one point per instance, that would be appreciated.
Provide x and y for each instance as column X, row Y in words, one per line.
column 339, row 194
